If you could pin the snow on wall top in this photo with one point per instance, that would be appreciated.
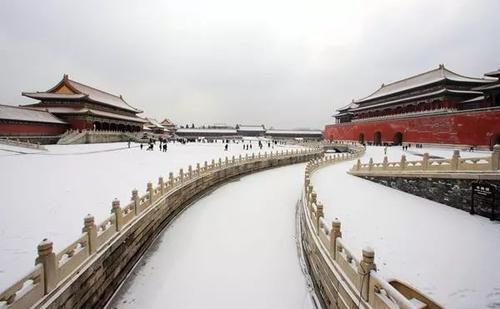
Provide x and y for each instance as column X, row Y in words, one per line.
column 26, row 114
column 201, row 131
column 251, row 128
column 298, row 132
column 93, row 94
column 426, row 78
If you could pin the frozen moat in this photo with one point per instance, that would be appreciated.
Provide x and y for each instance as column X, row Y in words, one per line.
column 233, row 248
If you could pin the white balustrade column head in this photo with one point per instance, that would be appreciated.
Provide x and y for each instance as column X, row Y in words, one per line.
column 197, row 168
column 455, row 159
column 161, row 184
column 425, row 161
column 370, row 164
column 358, row 165
column 402, row 164
column 190, row 171
column 118, row 211
column 232, row 159
column 47, row 258
column 181, row 174
column 385, row 162
column 171, row 178
column 239, row 158
column 205, row 165
column 313, row 196
column 90, row 228
column 319, row 207
column 149, row 188
column 213, row 163
column 365, row 266
column 495, row 158
column 220, row 161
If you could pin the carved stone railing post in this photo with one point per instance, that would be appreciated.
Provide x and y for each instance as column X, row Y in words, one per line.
column 190, row 172
column 365, row 266
column 213, row 164
column 197, row 169
column 495, row 158
column 220, row 162
column 118, row 211
column 150, row 191
column 425, row 161
column 171, row 179
column 402, row 164
column 370, row 164
column 455, row 160
column 181, row 175
column 47, row 258
column 358, row 165
column 232, row 160
column 384, row 164
column 336, row 232
column 319, row 214
column 90, row 228
column 205, row 165
column 161, row 184
column 135, row 200
column 239, row 158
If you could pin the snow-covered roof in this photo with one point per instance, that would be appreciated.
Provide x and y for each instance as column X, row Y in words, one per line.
column 415, row 97
column 476, row 99
column 27, row 114
column 69, row 110
column 426, row 78
column 154, row 123
column 493, row 73
column 167, row 122
column 204, row 131
column 295, row 132
column 91, row 93
column 251, row 128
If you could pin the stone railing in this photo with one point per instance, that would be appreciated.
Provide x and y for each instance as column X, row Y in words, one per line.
column 88, row 271
column 454, row 165
column 18, row 143
column 341, row 279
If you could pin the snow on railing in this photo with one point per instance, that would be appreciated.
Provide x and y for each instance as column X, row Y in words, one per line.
column 18, row 143
column 53, row 268
column 453, row 165
column 363, row 283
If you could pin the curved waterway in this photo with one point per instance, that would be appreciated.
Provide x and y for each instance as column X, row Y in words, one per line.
column 233, row 248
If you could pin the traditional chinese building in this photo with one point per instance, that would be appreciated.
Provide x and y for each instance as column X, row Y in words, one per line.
column 251, row 130
column 19, row 122
column 434, row 107
column 85, row 107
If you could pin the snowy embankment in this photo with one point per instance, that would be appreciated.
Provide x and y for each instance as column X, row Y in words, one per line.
column 444, row 252
column 233, row 248
column 46, row 194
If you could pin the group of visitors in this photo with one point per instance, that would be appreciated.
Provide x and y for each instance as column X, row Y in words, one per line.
column 152, row 142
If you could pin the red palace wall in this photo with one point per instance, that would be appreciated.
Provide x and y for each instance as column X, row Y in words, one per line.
column 478, row 128
column 18, row 129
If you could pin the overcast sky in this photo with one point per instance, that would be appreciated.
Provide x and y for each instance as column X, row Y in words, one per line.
column 283, row 63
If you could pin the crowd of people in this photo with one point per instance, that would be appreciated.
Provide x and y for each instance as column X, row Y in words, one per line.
column 247, row 144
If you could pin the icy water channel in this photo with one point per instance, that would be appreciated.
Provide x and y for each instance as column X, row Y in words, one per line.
column 233, row 248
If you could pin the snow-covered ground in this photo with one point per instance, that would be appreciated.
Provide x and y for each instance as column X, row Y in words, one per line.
column 46, row 194
column 444, row 252
column 234, row 248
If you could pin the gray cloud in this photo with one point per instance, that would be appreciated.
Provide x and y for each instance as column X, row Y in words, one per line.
column 281, row 63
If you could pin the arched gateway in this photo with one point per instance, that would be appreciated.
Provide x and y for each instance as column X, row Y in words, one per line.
column 377, row 138
column 398, row 139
